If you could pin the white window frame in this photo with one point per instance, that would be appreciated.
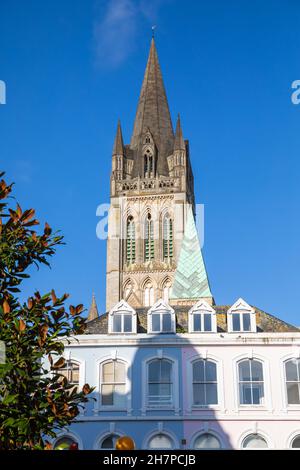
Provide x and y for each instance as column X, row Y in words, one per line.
column 98, row 403
column 202, row 307
column 69, row 435
column 122, row 308
column 203, row 431
column 286, row 406
column 175, row 381
column 69, row 357
column 191, row 408
column 160, row 430
column 241, row 307
column 161, row 308
column 267, row 405
column 258, row 432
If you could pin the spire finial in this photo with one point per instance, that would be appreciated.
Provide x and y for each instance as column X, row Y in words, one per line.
column 153, row 30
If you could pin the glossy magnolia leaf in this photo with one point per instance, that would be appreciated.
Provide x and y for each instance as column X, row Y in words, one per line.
column 59, row 364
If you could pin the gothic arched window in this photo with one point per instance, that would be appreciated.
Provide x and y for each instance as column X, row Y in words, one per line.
column 167, row 237
column 149, row 239
column 148, row 164
column 130, row 241
column 148, row 294
column 166, row 290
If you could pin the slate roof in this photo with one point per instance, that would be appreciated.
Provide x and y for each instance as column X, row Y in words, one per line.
column 265, row 322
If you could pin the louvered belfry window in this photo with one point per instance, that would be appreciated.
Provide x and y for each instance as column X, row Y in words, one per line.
column 130, row 241
column 149, row 239
column 167, row 237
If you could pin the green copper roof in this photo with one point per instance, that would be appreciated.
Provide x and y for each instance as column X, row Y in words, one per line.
column 190, row 281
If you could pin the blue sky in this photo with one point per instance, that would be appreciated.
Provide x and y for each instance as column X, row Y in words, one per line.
column 72, row 68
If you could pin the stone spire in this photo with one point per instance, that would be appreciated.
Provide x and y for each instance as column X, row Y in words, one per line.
column 190, row 281
column 179, row 141
column 153, row 114
column 118, row 148
column 93, row 312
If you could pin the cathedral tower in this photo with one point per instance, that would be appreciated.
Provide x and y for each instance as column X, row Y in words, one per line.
column 150, row 193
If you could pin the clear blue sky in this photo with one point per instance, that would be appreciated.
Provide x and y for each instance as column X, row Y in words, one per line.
column 73, row 67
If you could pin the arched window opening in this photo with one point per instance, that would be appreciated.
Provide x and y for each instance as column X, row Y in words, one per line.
column 113, row 384
column 160, row 383
column 66, row 443
column 292, row 381
column 296, row 442
column 251, row 382
column 254, row 441
column 166, row 290
column 148, row 164
column 167, row 238
column 148, row 294
column 130, row 241
column 160, row 442
column 205, row 385
column 128, row 289
column 207, row 441
column 109, row 442
column 149, row 239
column 71, row 372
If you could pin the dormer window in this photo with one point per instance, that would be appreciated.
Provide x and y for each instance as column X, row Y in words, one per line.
column 122, row 319
column 202, row 318
column 161, row 318
column 241, row 318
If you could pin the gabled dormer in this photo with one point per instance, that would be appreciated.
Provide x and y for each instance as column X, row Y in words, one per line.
column 161, row 318
column 241, row 318
column 202, row 318
column 122, row 319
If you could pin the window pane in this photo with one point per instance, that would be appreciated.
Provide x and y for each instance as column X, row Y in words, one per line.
column 199, row 394
column 211, row 394
column 293, row 393
column 119, row 372
column 154, row 390
column 165, row 392
column 245, row 394
column 166, row 326
column 108, row 372
column 244, row 371
column 117, row 324
column 160, row 441
column 207, row 322
column 246, row 321
column 109, row 442
column 210, row 371
column 291, row 370
column 154, row 371
column 296, row 443
column 155, row 322
column 166, row 368
column 107, row 395
column 198, row 371
column 254, row 441
column 207, row 441
column 127, row 323
column 119, row 397
column 64, row 443
column 256, row 371
column 236, row 325
column 197, row 322
column 257, row 394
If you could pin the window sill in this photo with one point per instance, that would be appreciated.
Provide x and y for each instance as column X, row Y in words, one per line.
column 160, row 408
column 112, row 408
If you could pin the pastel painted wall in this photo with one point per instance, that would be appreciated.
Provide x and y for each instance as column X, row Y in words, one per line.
column 277, row 422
